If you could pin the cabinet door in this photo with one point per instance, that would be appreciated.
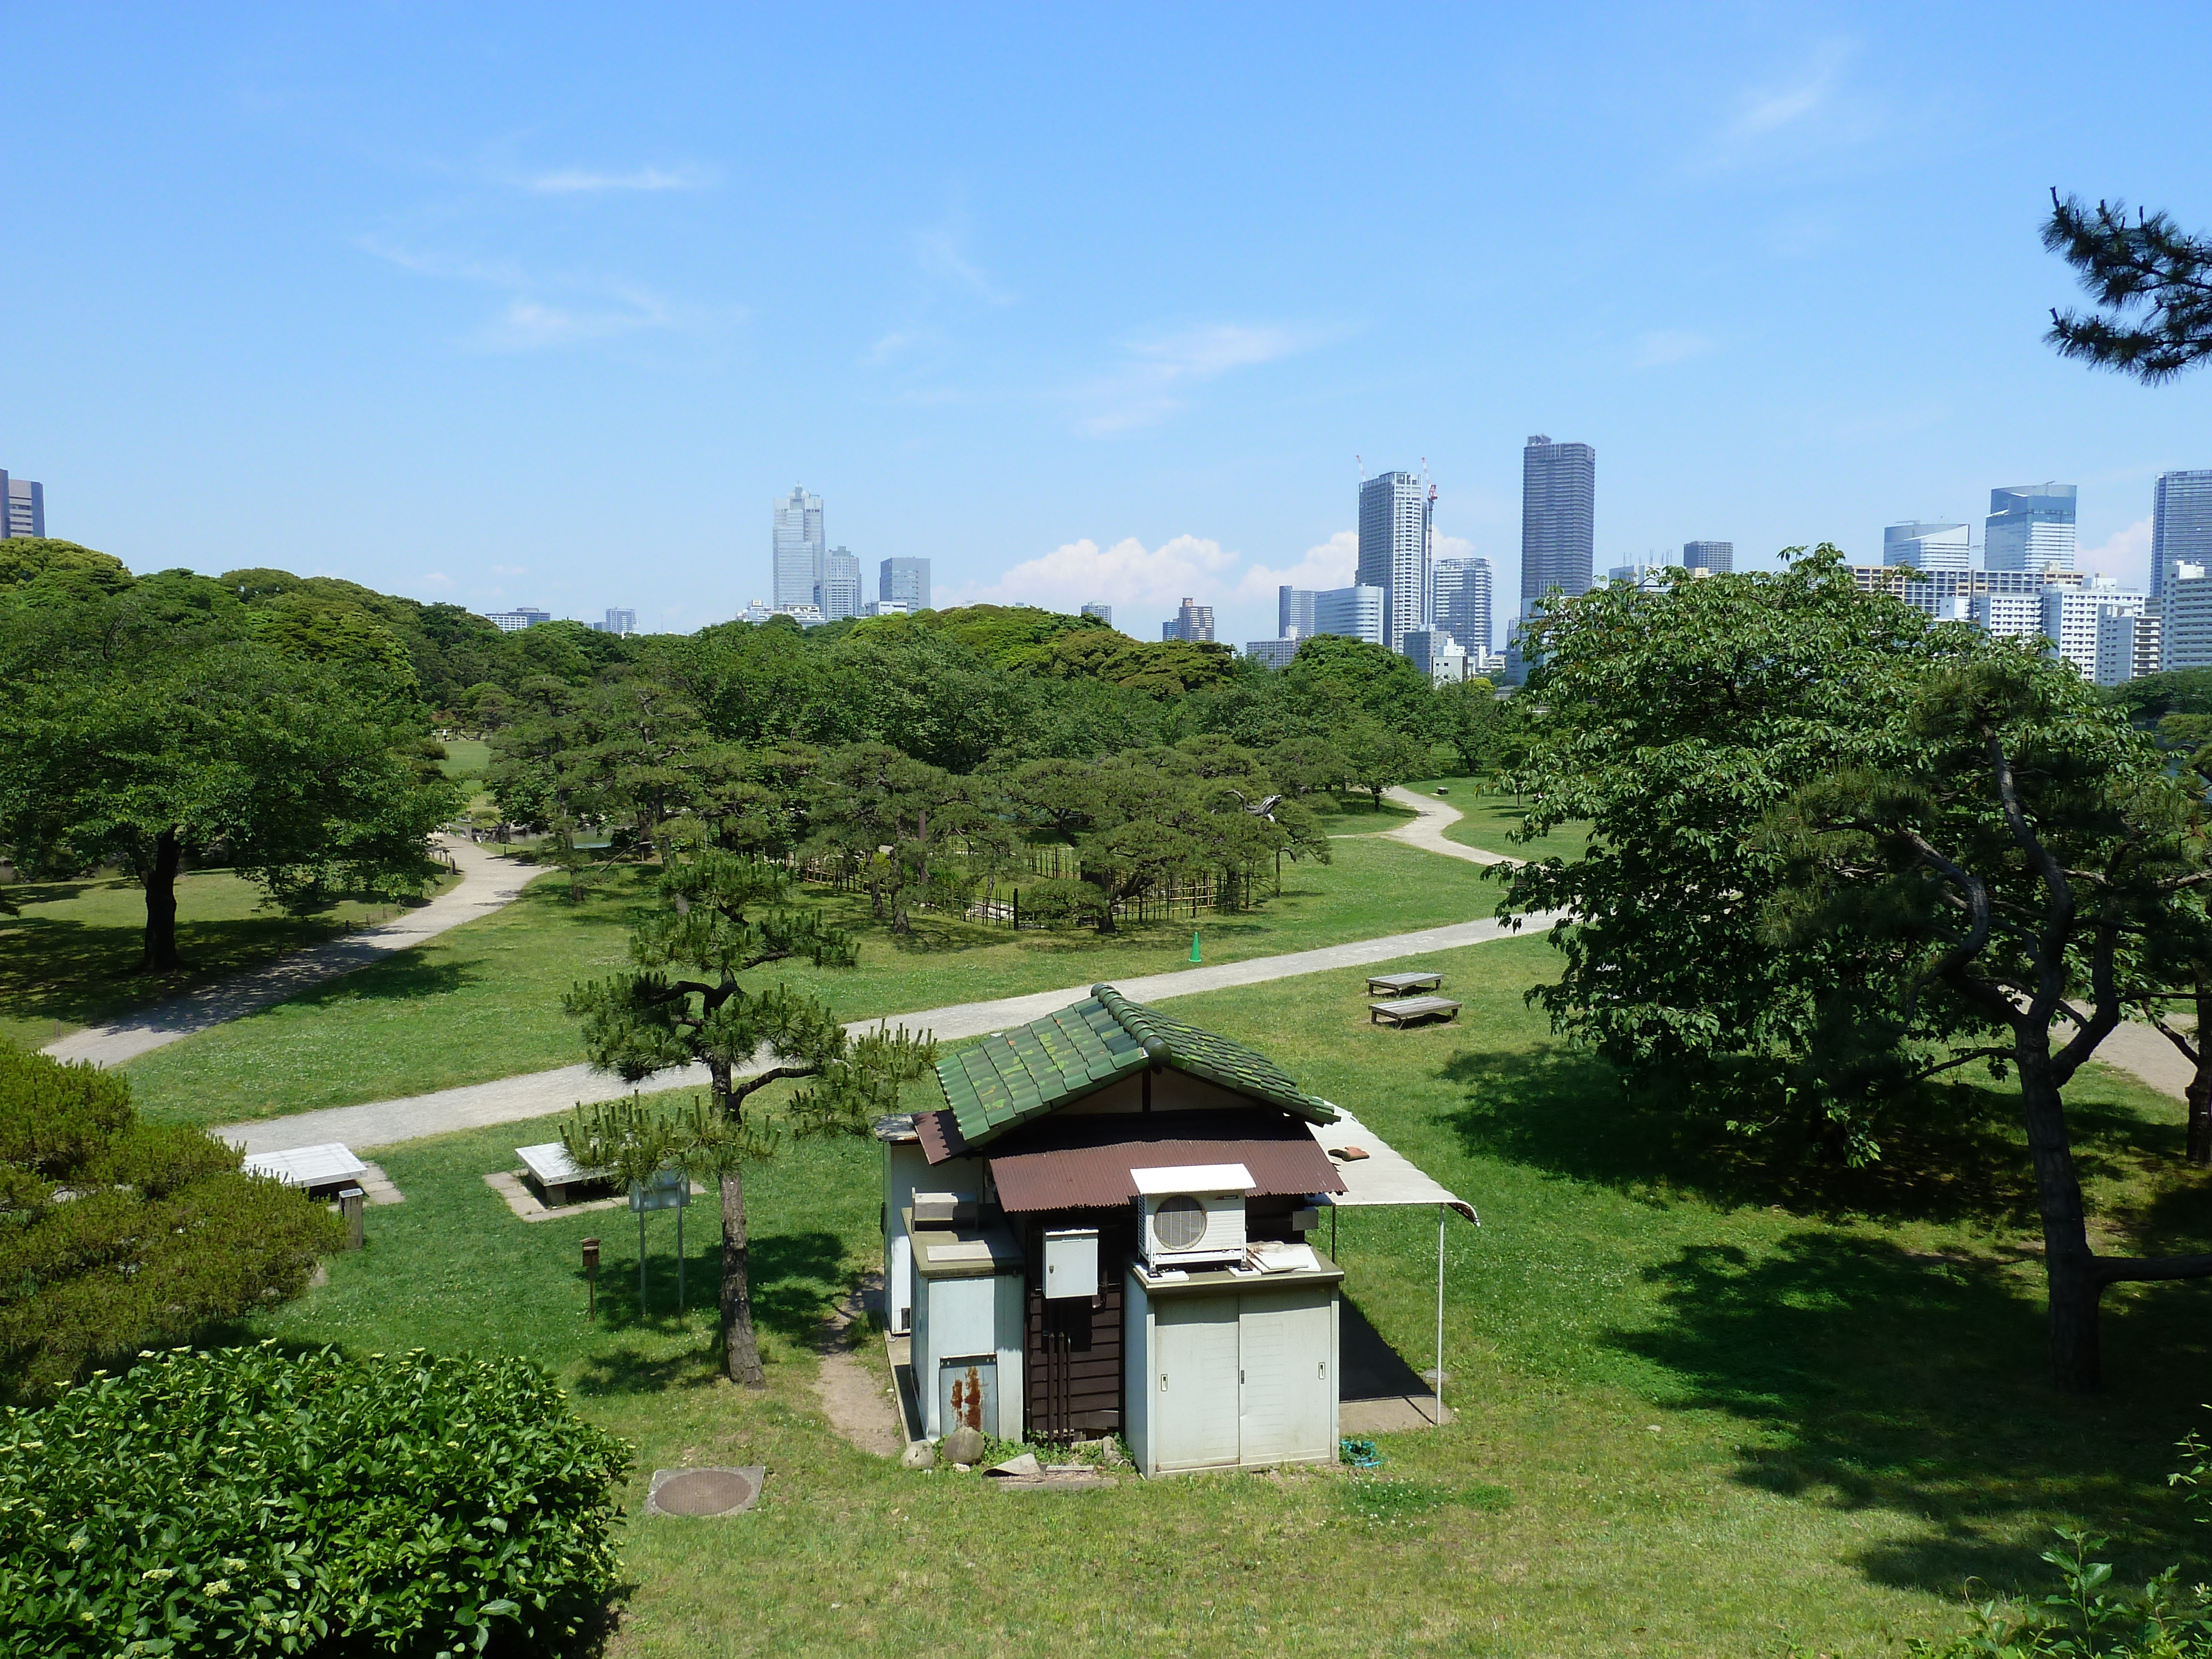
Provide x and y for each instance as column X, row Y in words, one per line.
column 1193, row 1382
column 1286, row 1356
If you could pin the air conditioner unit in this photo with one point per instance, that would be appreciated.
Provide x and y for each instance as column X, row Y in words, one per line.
column 1192, row 1214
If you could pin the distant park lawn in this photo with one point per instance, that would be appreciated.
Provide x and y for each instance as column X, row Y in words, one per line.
column 1706, row 1407
column 484, row 1000
column 71, row 958
column 1488, row 817
column 466, row 758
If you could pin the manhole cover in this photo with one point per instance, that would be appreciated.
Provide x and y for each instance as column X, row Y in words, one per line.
column 703, row 1491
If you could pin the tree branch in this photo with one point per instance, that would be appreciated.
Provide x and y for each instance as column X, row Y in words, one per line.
column 2118, row 1269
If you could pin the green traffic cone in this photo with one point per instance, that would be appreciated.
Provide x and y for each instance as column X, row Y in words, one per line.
column 1194, row 956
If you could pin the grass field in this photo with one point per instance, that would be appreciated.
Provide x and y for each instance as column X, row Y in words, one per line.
column 1486, row 819
column 466, row 758
column 1707, row 1409
column 483, row 1000
column 71, row 958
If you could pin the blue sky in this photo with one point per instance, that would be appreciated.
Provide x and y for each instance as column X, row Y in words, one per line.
column 547, row 305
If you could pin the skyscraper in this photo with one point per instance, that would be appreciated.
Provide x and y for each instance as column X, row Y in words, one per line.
column 1719, row 557
column 2030, row 527
column 619, row 621
column 838, row 592
column 2180, row 525
column 1924, row 544
column 904, row 578
column 1294, row 613
column 1394, row 514
column 1194, row 621
column 1104, row 612
column 798, row 547
column 22, row 506
column 1351, row 613
column 1462, row 602
column 1559, row 520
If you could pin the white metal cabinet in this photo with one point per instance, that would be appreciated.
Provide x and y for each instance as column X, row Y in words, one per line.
column 1223, row 1378
column 1286, row 1350
column 1193, row 1383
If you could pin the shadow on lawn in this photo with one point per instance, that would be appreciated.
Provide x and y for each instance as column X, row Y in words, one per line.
column 1882, row 1379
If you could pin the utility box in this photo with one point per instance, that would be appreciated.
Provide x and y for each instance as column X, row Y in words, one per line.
column 1070, row 1261
column 943, row 1209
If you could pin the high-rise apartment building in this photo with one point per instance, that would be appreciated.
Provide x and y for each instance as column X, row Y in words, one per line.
column 1194, row 622
column 1719, row 557
column 1353, row 613
column 1396, row 512
column 22, row 506
column 619, row 621
column 2030, row 527
column 515, row 621
column 904, row 578
column 2180, row 525
column 1559, row 520
column 1462, row 602
column 1294, row 613
column 799, row 547
column 1276, row 653
column 1104, row 612
column 2127, row 647
column 2072, row 619
column 2184, row 617
column 838, row 592
column 1923, row 544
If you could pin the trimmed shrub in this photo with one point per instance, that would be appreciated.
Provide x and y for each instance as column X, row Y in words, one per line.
column 117, row 1235
column 250, row 1502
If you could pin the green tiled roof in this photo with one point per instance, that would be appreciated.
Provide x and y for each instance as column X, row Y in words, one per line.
column 1019, row 1075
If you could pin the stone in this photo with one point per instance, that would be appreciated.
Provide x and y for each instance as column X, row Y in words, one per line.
column 1026, row 1464
column 963, row 1445
column 920, row 1456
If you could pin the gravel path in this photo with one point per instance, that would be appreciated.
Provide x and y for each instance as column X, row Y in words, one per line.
column 1427, row 831
column 487, row 883
column 538, row 1094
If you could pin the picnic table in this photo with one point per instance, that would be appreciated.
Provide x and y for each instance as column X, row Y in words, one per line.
column 1402, row 1010
column 555, row 1171
column 320, row 1169
column 1397, row 984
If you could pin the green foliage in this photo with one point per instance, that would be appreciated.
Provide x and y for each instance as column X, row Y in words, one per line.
column 2152, row 280
column 2186, row 691
column 2085, row 1615
column 249, row 1501
column 1352, row 676
column 115, row 1234
column 58, row 568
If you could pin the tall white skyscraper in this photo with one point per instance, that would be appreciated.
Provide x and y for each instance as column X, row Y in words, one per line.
column 1351, row 613
column 2180, row 525
column 1396, row 512
column 2030, row 527
column 1926, row 546
column 1462, row 602
column 799, row 547
column 838, row 592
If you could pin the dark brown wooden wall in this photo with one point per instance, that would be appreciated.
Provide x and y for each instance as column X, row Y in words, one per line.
column 1072, row 1349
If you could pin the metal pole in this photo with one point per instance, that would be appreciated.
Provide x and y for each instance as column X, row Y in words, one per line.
column 1440, row 1315
column 679, row 1252
column 641, row 1264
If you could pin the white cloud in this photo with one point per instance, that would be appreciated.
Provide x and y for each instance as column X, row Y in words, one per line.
column 1126, row 574
column 1145, row 388
column 1811, row 109
column 1661, row 347
column 942, row 253
column 1331, row 564
column 542, row 309
column 2126, row 554
column 583, row 181
column 510, row 570
column 437, row 578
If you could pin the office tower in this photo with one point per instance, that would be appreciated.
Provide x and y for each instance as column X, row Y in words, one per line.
column 1276, row 653
column 1351, row 613
column 1194, row 622
column 1294, row 613
column 1103, row 612
column 1462, row 602
column 1396, row 512
column 2127, row 647
column 1719, row 557
column 1925, row 544
column 1437, row 655
column 22, row 506
column 838, row 593
column 799, row 548
column 2181, row 524
column 515, row 621
column 904, row 578
column 2030, row 527
column 619, row 621
column 1559, row 520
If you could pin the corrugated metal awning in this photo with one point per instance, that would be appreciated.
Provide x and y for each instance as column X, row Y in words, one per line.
column 1385, row 1177
column 1087, row 1164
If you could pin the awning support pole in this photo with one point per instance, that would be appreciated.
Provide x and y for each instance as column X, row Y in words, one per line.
column 1440, row 1317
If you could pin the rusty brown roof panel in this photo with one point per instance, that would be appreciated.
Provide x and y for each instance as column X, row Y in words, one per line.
column 1097, row 1177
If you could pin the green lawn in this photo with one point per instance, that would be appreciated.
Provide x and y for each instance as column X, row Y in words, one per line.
column 1486, row 819
column 71, row 958
column 483, row 1000
column 1706, row 1410
column 466, row 758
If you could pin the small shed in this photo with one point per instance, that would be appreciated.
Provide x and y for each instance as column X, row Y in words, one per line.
column 1110, row 1226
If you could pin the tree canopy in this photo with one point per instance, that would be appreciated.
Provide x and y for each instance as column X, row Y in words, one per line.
column 2150, row 280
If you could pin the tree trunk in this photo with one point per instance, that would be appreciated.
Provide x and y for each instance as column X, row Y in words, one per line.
column 2199, row 1094
column 2070, row 1269
column 740, row 1346
column 161, row 882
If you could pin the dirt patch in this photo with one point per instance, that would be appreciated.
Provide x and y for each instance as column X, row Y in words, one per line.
column 858, row 1405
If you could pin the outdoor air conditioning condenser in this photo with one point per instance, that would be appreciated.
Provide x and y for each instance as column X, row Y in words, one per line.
column 1192, row 1214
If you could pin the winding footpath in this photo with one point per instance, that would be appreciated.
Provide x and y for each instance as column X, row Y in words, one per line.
column 488, row 882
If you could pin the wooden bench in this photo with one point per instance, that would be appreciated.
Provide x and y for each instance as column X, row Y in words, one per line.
column 1404, row 1009
column 555, row 1172
column 1396, row 985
